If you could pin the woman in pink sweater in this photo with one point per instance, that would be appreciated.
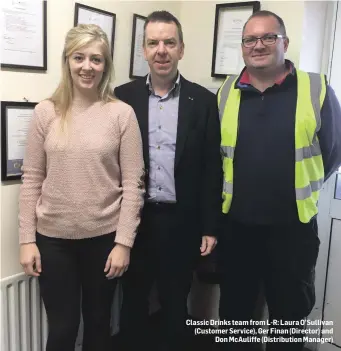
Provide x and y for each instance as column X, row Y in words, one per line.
column 82, row 194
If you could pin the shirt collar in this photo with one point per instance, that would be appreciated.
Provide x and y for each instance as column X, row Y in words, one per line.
column 174, row 88
column 245, row 78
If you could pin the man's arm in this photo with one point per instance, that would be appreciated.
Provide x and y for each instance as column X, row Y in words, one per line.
column 330, row 133
column 211, row 201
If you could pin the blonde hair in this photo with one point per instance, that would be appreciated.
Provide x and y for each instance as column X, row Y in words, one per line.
column 76, row 38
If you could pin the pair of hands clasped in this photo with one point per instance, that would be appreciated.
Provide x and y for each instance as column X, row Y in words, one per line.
column 117, row 262
column 116, row 265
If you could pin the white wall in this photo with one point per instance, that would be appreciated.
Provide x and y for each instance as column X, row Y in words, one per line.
column 316, row 34
column 335, row 68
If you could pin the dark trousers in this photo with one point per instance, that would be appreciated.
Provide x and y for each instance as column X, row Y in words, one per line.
column 72, row 280
column 280, row 258
column 163, row 255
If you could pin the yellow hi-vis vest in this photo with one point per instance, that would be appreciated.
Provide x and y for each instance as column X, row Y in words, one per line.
column 309, row 170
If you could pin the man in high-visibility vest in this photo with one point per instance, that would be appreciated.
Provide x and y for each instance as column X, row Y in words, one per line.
column 281, row 139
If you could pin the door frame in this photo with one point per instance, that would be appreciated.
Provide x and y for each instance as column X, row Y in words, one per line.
column 324, row 218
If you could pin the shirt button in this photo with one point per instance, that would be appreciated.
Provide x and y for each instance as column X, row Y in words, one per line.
column 158, row 167
column 159, row 188
column 161, row 107
column 158, row 147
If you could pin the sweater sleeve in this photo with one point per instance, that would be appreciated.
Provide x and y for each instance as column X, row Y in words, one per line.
column 34, row 172
column 132, row 178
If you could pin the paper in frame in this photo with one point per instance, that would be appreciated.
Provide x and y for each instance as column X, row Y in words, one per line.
column 15, row 121
column 90, row 15
column 138, row 65
column 23, row 34
column 229, row 22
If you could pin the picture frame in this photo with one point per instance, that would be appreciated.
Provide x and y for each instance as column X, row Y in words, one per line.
column 90, row 15
column 138, row 65
column 15, row 120
column 24, row 38
column 228, row 27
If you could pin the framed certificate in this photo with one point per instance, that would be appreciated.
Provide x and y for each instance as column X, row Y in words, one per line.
column 138, row 65
column 15, row 121
column 228, row 28
column 106, row 20
column 23, row 34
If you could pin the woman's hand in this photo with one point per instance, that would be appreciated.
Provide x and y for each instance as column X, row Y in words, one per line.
column 30, row 259
column 118, row 261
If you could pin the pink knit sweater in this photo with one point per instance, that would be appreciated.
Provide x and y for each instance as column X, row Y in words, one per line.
column 91, row 184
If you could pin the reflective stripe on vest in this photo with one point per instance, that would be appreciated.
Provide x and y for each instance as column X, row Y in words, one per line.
column 309, row 170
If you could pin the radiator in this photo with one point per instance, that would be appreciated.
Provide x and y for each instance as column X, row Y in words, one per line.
column 24, row 322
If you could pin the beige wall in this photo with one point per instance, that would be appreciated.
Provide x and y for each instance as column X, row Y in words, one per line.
column 197, row 19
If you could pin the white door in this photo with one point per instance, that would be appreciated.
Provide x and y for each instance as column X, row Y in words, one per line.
column 332, row 294
column 331, row 307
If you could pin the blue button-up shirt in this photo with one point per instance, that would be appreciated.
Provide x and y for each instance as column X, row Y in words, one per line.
column 163, row 123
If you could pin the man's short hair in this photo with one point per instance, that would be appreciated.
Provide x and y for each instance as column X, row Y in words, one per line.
column 165, row 17
column 264, row 13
